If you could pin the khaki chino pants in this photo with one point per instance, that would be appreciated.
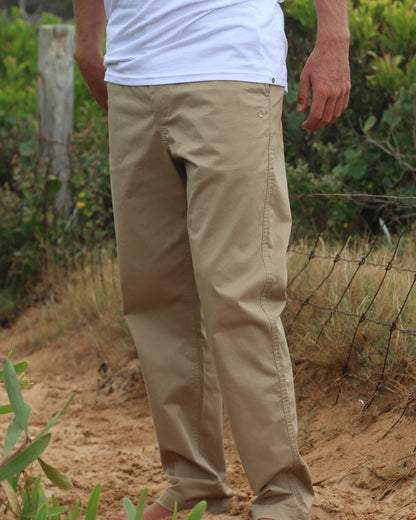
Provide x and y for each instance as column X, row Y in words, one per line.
column 202, row 224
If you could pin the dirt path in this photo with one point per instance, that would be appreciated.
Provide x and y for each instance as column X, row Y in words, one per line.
column 107, row 436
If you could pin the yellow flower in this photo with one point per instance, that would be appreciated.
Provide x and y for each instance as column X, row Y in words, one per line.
column 80, row 204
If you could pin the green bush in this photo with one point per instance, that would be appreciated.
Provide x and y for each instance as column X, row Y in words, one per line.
column 30, row 229
column 355, row 154
column 31, row 232
column 18, row 69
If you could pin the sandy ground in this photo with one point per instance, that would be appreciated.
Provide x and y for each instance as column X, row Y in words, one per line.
column 363, row 466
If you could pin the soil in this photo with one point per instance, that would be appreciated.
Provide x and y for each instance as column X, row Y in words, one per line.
column 363, row 460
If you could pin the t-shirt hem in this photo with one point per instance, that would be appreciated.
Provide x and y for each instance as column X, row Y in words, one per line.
column 130, row 81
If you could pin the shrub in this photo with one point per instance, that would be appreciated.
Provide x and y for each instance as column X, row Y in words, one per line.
column 30, row 229
column 18, row 68
column 383, row 70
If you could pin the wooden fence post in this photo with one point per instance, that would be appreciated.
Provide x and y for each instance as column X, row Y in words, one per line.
column 55, row 106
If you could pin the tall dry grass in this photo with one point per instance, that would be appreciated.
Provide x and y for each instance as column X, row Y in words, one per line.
column 83, row 312
column 360, row 315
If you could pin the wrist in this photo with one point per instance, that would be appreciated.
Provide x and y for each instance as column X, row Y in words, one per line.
column 332, row 17
column 338, row 41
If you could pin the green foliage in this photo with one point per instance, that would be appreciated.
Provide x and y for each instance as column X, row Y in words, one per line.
column 62, row 8
column 18, row 457
column 136, row 513
column 371, row 148
column 31, row 232
column 18, row 68
column 18, row 63
column 25, row 497
column 385, row 162
column 30, row 229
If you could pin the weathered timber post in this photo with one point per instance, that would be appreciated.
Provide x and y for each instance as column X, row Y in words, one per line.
column 56, row 106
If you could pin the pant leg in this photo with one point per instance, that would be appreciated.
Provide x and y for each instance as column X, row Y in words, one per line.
column 229, row 134
column 160, row 301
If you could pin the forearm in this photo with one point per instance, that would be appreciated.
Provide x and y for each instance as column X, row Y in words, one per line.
column 326, row 73
column 90, row 20
column 332, row 18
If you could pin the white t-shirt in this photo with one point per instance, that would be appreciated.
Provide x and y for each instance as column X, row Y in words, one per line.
column 151, row 42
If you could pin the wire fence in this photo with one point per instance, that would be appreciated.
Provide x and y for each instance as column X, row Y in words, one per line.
column 355, row 295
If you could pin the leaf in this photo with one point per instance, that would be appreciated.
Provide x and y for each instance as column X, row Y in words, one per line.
column 198, row 511
column 26, row 148
column 42, row 512
column 42, row 499
column 129, row 508
column 11, row 497
column 57, row 511
column 24, row 383
column 30, row 495
column 14, row 481
column 13, row 433
column 368, row 125
column 53, row 421
column 357, row 170
column 26, row 503
column 55, row 505
column 132, row 512
column 7, row 408
column 175, row 511
column 75, row 514
column 19, row 368
column 53, row 185
column 56, row 476
column 92, row 506
column 21, row 410
column 140, row 505
column 24, row 458
column 391, row 118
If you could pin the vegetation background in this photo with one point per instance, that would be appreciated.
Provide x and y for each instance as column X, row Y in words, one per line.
column 64, row 268
column 371, row 149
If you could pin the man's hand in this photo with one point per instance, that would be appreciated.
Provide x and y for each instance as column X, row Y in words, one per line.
column 326, row 74
column 93, row 70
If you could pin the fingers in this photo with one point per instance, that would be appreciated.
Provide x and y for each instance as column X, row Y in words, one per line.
column 327, row 106
column 304, row 93
column 325, row 76
column 93, row 70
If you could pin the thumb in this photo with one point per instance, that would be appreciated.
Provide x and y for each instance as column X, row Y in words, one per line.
column 304, row 94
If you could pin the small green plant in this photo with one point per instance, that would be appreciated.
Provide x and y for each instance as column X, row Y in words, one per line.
column 136, row 513
column 25, row 497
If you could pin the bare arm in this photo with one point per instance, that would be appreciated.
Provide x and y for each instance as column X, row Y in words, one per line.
column 326, row 73
column 90, row 20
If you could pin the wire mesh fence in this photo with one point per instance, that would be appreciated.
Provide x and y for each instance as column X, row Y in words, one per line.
column 352, row 296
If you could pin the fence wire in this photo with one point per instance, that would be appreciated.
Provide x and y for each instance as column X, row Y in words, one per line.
column 357, row 284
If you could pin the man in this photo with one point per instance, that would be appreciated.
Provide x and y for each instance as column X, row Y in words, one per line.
column 194, row 92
